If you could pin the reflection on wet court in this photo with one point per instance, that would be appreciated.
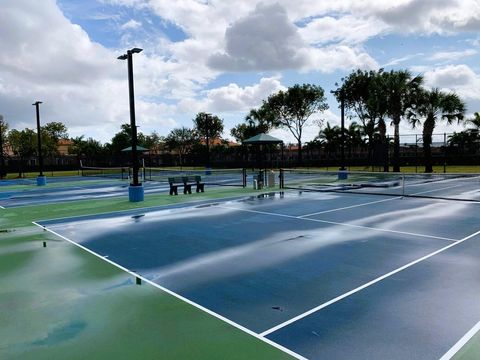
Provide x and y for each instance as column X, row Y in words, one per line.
column 324, row 274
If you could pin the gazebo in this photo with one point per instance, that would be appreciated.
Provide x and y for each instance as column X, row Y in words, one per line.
column 262, row 139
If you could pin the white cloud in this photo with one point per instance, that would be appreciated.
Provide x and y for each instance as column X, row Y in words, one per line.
column 346, row 29
column 263, row 40
column 267, row 40
column 235, row 98
column 452, row 55
column 459, row 78
column 46, row 57
column 131, row 24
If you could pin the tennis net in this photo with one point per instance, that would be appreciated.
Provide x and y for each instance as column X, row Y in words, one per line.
column 222, row 177
column 106, row 172
column 454, row 186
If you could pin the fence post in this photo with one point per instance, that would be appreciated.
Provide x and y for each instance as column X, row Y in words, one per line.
column 444, row 153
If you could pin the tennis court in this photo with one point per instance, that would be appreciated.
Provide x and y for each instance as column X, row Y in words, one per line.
column 317, row 274
column 98, row 183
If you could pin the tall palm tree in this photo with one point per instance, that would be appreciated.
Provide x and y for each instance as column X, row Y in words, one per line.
column 353, row 135
column 475, row 122
column 330, row 136
column 401, row 90
column 432, row 106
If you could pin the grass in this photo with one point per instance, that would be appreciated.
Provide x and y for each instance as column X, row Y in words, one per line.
column 60, row 302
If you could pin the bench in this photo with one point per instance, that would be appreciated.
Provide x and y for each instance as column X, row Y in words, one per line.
column 187, row 182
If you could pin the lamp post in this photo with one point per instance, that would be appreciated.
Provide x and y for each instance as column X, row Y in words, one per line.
column 2, row 160
column 207, row 139
column 342, row 120
column 41, row 179
column 135, row 190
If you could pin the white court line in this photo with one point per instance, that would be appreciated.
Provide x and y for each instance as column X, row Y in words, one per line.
column 348, row 207
column 455, row 348
column 180, row 297
column 1, row 207
column 341, row 224
column 370, row 283
column 429, row 191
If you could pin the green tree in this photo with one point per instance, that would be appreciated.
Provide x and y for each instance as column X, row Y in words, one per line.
column 208, row 127
column 3, row 143
column 354, row 137
column 181, row 140
column 154, row 142
column 363, row 93
column 291, row 109
column 123, row 139
column 330, row 137
column 89, row 148
column 401, row 90
column 51, row 133
column 432, row 106
column 256, row 122
column 23, row 144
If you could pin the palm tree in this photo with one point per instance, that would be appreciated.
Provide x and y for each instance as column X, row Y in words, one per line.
column 401, row 90
column 353, row 135
column 475, row 122
column 433, row 105
column 330, row 136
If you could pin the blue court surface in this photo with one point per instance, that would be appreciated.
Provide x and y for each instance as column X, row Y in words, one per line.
column 327, row 276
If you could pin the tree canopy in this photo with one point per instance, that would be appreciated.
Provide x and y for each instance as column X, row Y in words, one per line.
column 291, row 109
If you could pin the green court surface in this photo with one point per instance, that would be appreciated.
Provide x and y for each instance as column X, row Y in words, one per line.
column 471, row 350
column 60, row 302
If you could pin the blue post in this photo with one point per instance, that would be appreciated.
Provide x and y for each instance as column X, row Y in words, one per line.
column 135, row 193
column 342, row 174
column 41, row 180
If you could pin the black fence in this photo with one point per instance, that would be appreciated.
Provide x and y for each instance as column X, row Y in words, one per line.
column 446, row 151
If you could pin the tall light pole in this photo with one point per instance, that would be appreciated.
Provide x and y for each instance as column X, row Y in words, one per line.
column 3, row 172
column 135, row 190
column 41, row 179
column 207, row 138
column 342, row 120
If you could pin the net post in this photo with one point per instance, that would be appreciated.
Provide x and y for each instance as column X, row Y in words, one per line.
column 281, row 179
column 403, row 185
column 244, row 177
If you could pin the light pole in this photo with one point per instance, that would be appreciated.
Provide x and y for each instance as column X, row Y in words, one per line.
column 3, row 172
column 342, row 119
column 207, row 139
column 135, row 190
column 41, row 179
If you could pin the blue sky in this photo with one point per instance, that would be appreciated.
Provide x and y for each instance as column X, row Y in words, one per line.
column 219, row 56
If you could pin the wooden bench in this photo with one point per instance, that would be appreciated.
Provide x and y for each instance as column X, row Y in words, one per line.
column 187, row 182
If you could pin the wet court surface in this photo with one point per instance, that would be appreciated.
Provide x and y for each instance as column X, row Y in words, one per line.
column 326, row 275
column 86, row 190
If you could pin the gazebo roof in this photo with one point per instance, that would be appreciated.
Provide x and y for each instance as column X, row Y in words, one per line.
column 139, row 148
column 262, row 139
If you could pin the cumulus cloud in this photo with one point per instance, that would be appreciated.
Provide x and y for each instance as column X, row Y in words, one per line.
column 235, row 98
column 264, row 40
column 459, row 78
column 267, row 40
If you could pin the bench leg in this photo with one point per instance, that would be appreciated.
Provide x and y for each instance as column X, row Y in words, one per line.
column 173, row 190
column 187, row 189
column 200, row 188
